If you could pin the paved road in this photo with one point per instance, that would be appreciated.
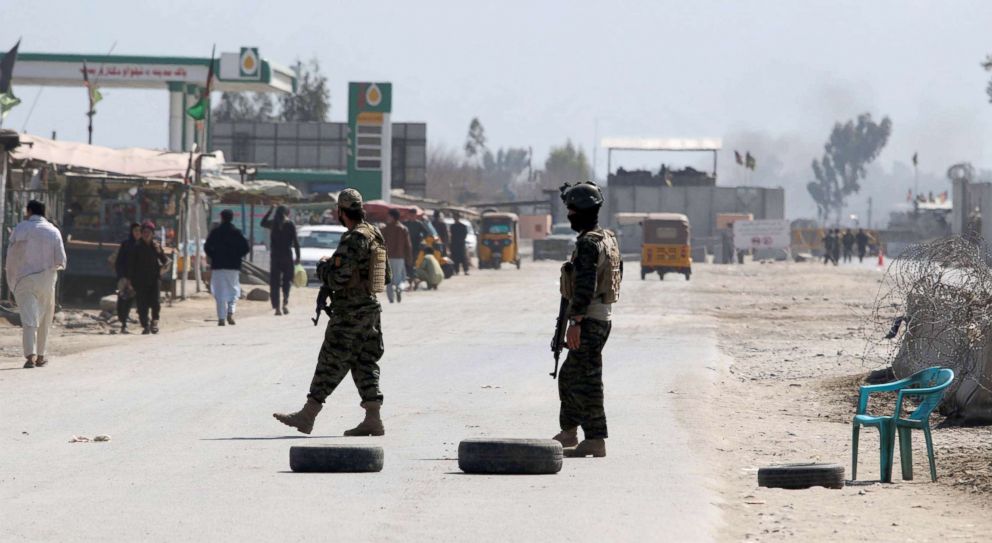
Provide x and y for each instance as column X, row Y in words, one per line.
column 196, row 455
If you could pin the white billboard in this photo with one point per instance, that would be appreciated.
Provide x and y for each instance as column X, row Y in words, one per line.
column 762, row 234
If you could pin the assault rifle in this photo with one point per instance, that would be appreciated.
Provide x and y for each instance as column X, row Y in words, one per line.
column 558, row 341
column 322, row 305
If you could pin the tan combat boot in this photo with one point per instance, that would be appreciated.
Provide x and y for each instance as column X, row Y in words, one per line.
column 372, row 425
column 303, row 419
column 589, row 447
column 568, row 437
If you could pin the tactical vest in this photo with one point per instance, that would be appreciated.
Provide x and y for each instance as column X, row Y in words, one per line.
column 374, row 278
column 609, row 268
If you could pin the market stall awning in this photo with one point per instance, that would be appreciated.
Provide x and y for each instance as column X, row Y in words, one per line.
column 273, row 189
column 133, row 161
column 378, row 210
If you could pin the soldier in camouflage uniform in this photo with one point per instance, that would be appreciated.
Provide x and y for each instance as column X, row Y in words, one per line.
column 353, row 339
column 590, row 282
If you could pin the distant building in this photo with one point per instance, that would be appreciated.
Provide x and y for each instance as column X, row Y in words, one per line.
column 694, row 194
column 313, row 155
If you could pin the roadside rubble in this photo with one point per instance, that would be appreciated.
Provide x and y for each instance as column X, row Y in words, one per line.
column 792, row 386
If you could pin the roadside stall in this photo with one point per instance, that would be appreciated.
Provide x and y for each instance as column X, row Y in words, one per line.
column 95, row 193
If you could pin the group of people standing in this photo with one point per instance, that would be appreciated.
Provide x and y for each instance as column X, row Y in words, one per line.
column 138, row 262
column 452, row 241
column 837, row 245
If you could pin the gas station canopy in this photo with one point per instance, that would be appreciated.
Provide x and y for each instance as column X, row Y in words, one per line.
column 242, row 71
column 183, row 77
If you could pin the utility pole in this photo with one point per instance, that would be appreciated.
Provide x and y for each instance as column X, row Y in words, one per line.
column 595, row 146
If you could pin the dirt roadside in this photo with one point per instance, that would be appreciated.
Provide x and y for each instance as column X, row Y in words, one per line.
column 792, row 332
column 77, row 330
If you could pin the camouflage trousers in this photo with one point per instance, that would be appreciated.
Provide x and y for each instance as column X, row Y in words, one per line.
column 580, row 382
column 352, row 342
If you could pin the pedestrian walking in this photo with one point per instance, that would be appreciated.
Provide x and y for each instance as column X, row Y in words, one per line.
column 861, row 239
column 828, row 247
column 144, row 273
column 400, row 254
column 847, row 241
column 226, row 246
column 34, row 257
column 459, row 253
column 125, row 294
column 282, row 244
column 835, row 256
column 353, row 339
column 590, row 282
column 441, row 227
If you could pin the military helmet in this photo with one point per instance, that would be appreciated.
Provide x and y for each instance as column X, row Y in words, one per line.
column 581, row 196
column 350, row 199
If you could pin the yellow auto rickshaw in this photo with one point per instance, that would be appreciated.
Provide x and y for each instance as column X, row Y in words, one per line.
column 665, row 247
column 499, row 240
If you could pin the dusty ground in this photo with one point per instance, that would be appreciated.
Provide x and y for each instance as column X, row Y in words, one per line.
column 793, row 332
column 785, row 392
column 78, row 329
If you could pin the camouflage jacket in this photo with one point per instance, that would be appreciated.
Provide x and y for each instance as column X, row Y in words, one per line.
column 347, row 273
column 595, row 263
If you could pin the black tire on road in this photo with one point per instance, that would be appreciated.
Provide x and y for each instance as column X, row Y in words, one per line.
column 510, row 456
column 796, row 476
column 336, row 459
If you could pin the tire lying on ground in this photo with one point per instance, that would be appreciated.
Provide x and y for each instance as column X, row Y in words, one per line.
column 796, row 476
column 336, row 459
column 510, row 456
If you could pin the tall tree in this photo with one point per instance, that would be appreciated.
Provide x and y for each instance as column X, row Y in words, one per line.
column 244, row 106
column 565, row 164
column 312, row 99
column 475, row 142
column 851, row 147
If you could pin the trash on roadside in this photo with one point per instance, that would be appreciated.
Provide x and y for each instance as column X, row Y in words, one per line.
column 84, row 439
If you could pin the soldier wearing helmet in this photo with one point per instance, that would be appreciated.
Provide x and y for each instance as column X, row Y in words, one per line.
column 590, row 281
column 353, row 340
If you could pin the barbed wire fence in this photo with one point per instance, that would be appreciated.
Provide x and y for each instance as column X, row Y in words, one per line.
column 934, row 308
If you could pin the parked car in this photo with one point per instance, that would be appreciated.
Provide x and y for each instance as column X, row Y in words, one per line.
column 557, row 245
column 470, row 239
column 316, row 242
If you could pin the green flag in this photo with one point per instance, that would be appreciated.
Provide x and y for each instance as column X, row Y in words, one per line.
column 7, row 103
column 199, row 110
column 95, row 95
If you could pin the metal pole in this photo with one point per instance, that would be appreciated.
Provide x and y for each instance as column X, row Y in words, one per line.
column 198, row 218
column 3, row 203
column 184, row 246
column 916, row 179
column 251, row 237
column 609, row 162
column 595, row 145
column 714, row 163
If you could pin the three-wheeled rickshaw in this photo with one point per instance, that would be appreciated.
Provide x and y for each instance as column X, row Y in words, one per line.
column 499, row 240
column 665, row 247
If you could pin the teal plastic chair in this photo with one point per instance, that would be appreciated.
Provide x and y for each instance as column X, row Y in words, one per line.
column 930, row 389
column 928, row 384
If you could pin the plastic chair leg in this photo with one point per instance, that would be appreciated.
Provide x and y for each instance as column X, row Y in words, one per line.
column 933, row 465
column 854, row 452
column 906, row 453
column 886, row 439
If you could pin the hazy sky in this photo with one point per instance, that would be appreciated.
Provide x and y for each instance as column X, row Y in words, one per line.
column 536, row 73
